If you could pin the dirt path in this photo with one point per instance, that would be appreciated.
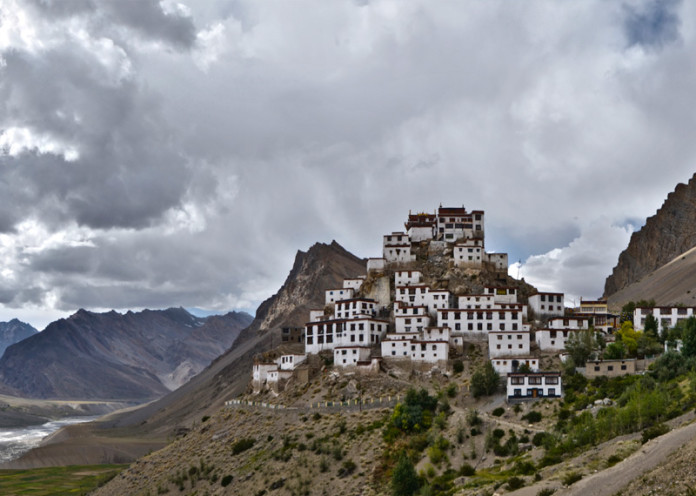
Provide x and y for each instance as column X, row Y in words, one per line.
column 608, row 482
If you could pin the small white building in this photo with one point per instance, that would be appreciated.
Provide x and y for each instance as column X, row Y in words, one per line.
column 347, row 356
column 501, row 343
column 477, row 321
column 501, row 294
column 507, row 365
column 469, row 252
column 434, row 352
column 554, row 339
column 407, row 278
column 317, row 315
column 358, row 331
column 403, row 309
column 398, row 345
column 399, row 254
column 376, row 264
column 666, row 317
column 547, row 304
column 338, row 294
column 354, row 283
column 498, row 260
column 526, row 386
column 259, row 374
column 411, row 323
column 289, row 362
column 569, row 323
column 454, row 223
column 347, row 309
column 436, row 334
column 475, row 301
column 421, row 227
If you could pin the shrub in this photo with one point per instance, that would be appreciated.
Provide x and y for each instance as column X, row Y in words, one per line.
column 654, row 431
column 472, row 418
column 226, row 480
column 405, row 481
column 458, row 366
column 571, row 478
column 498, row 433
column 613, row 460
column 451, row 390
column 467, row 470
column 347, row 468
column 515, row 483
column 498, row 411
column 205, row 418
column 547, row 491
column 524, row 468
column 323, row 465
column 532, row 417
column 242, row 445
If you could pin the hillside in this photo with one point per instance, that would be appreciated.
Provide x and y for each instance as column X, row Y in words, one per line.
column 671, row 284
column 322, row 267
column 134, row 356
column 666, row 235
column 13, row 332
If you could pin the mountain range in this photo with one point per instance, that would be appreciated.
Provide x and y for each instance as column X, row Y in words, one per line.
column 133, row 356
column 127, row 435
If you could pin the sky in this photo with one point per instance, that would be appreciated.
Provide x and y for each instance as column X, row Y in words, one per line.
column 157, row 154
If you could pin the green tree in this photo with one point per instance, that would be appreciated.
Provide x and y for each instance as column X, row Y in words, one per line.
column 405, row 481
column 627, row 312
column 615, row 351
column 629, row 337
column 650, row 327
column 579, row 346
column 689, row 337
column 485, row 381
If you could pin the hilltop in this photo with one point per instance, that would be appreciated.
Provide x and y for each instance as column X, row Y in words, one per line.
column 13, row 332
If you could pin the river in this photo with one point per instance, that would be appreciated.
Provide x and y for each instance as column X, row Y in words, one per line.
column 17, row 441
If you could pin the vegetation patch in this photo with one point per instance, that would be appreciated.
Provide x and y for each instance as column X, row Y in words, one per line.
column 75, row 479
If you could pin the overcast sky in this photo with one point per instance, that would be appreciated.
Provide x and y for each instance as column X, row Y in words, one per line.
column 180, row 153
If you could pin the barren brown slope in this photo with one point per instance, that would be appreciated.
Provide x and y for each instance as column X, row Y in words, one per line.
column 667, row 234
column 671, row 284
column 322, row 267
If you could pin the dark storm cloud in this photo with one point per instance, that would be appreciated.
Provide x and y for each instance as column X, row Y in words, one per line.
column 156, row 158
column 128, row 172
column 652, row 24
column 144, row 17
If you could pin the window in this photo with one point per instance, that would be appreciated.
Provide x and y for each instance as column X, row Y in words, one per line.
column 623, row 367
column 552, row 391
column 610, row 368
column 551, row 380
column 534, row 380
column 516, row 380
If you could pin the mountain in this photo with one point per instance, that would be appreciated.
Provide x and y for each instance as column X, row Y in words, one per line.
column 665, row 236
column 13, row 332
column 322, row 267
column 669, row 285
column 132, row 356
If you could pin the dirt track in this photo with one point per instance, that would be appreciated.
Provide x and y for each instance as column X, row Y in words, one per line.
column 610, row 481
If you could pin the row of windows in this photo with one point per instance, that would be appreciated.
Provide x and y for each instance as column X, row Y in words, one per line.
column 535, row 393
column 551, row 298
column 479, row 315
column 533, row 380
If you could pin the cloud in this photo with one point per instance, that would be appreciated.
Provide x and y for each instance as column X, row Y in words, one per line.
column 653, row 23
column 179, row 153
column 579, row 268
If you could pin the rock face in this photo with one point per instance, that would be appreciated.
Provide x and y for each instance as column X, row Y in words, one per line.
column 132, row 356
column 13, row 332
column 667, row 234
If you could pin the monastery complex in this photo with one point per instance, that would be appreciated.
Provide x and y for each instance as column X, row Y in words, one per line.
column 396, row 316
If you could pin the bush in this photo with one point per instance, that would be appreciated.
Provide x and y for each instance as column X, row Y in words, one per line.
column 654, row 431
column 485, row 381
column 547, row 491
column 451, row 390
column 539, row 438
column 226, row 480
column 498, row 411
column 347, row 468
column 498, row 433
column 571, row 478
column 514, row 483
column 405, row 481
column 532, row 417
column 458, row 366
column 242, row 445
column 467, row 470
column 613, row 460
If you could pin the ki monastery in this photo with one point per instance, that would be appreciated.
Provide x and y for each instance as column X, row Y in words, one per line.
column 402, row 314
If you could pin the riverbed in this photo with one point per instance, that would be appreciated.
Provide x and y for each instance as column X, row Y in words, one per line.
column 17, row 441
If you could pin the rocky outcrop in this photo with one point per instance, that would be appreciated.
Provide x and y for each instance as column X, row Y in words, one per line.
column 13, row 332
column 132, row 356
column 667, row 234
